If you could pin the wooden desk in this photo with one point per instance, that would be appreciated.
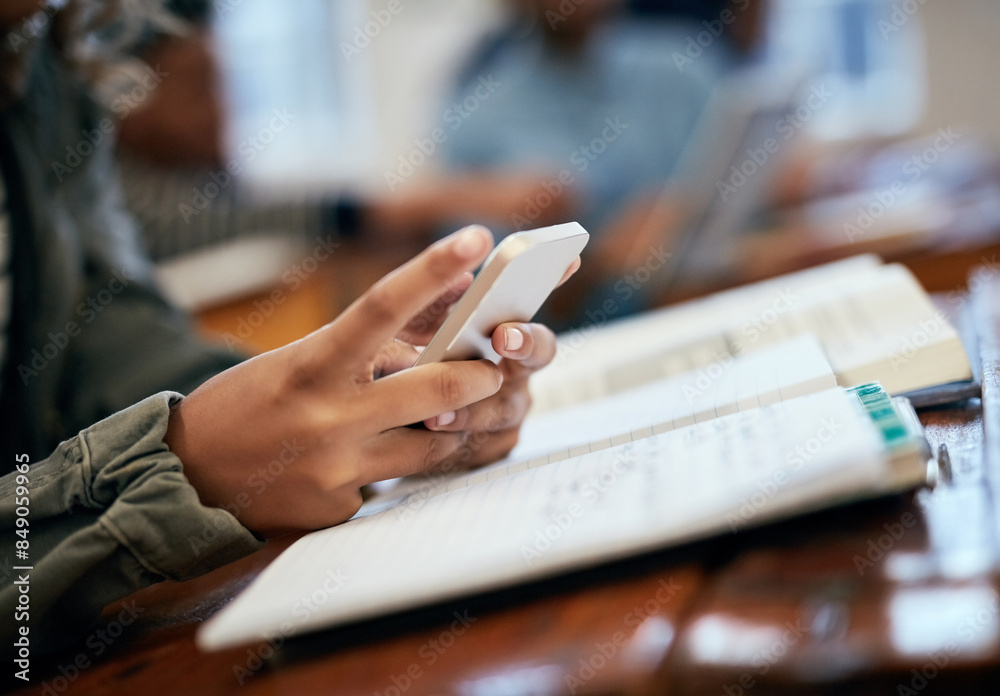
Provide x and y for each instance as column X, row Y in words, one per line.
column 881, row 597
column 939, row 252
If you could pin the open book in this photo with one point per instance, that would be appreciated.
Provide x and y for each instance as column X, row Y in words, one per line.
column 710, row 477
column 874, row 322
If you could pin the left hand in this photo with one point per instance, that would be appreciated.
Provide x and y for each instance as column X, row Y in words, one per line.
column 328, row 412
column 491, row 426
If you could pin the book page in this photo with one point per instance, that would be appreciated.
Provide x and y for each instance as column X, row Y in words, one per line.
column 730, row 384
column 604, row 334
column 874, row 322
column 719, row 476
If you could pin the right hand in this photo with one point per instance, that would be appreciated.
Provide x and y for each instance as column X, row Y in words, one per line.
column 300, row 429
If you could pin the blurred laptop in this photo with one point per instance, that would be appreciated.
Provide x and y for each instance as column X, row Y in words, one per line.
column 728, row 169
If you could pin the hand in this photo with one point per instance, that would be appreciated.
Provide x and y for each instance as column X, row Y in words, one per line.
column 299, row 430
column 492, row 425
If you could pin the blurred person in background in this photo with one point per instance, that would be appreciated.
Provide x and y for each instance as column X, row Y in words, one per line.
column 120, row 471
column 599, row 104
column 171, row 151
column 740, row 38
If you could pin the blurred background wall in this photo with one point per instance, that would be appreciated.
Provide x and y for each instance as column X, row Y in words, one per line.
column 383, row 69
column 963, row 61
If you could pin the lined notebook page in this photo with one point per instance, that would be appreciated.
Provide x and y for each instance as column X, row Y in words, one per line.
column 731, row 384
column 874, row 322
column 715, row 476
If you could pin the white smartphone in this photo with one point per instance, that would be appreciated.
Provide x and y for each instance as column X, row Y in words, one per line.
column 511, row 286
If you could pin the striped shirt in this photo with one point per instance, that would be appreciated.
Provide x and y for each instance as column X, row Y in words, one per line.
column 183, row 210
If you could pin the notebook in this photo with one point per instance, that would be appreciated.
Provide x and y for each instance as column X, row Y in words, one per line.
column 789, row 369
column 715, row 476
column 873, row 321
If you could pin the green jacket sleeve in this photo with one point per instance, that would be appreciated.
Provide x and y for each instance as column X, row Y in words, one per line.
column 109, row 512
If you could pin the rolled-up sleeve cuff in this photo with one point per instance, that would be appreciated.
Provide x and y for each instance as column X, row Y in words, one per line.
column 150, row 507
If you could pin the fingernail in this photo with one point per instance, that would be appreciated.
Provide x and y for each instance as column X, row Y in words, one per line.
column 446, row 418
column 470, row 242
column 513, row 339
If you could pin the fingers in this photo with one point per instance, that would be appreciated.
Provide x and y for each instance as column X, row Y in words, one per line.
column 395, row 356
column 528, row 347
column 422, row 327
column 497, row 446
column 385, row 309
column 480, row 448
column 412, row 396
column 408, row 451
column 573, row 268
column 525, row 348
column 505, row 409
